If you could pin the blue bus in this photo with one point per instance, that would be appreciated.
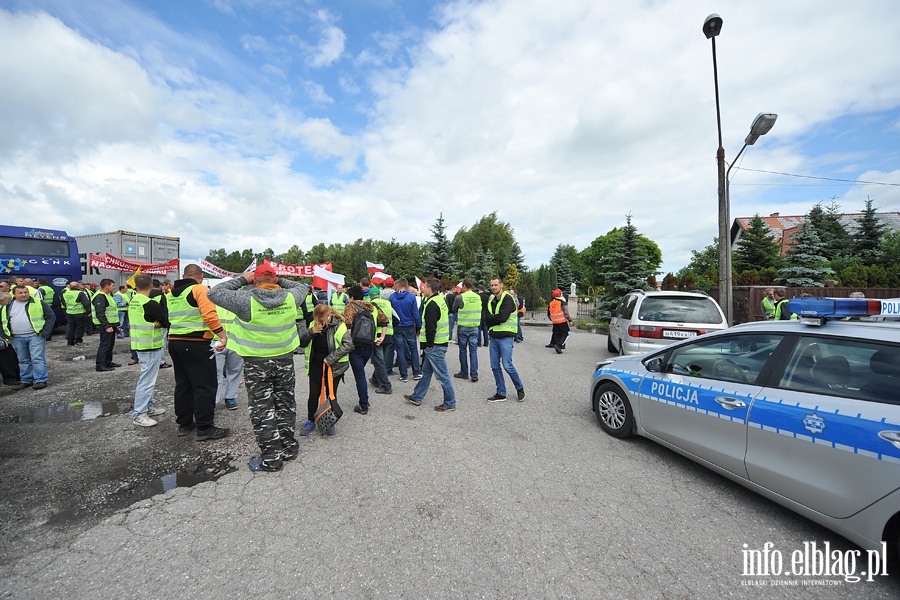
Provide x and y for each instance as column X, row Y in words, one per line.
column 35, row 253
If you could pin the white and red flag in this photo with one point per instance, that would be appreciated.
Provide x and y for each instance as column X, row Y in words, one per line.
column 322, row 278
column 252, row 267
column 420, row 284
column 374, row 267
column 379, row 277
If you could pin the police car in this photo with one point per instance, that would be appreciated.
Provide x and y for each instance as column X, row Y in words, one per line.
column 804, row 412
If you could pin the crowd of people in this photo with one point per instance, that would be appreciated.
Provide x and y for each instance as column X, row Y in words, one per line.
column 249, row 329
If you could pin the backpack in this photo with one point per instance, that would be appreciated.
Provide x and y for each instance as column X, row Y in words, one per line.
column 362, row 331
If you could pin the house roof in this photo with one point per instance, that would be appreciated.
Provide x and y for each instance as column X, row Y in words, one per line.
column 782, row 228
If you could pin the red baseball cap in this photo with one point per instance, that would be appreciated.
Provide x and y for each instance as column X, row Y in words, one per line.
column 557, row 292
column 265, row 270
column 389, row 281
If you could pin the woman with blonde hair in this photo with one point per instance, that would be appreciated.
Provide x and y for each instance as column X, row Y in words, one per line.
column 327, row 359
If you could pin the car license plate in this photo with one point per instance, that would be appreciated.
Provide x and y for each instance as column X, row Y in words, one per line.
column 678, row 334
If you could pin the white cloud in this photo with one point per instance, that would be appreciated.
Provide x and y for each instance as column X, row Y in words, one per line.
column 331, row 42
column 562, row 119
column 317, row 93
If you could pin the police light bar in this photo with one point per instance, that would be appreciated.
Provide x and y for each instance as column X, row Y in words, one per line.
column 814, row 311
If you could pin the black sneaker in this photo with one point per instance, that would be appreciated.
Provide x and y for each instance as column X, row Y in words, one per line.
column 559, row 349
column 460, row 375
column 382, row 390
column 411, row 400
column 359, row 409
column 113, row 365
column 474, row 380
column 184, row 430
column 212, row 433
column 520, row 393
column 40, row 385
column 104, row 369
column 497, row 398
column 257, row 465
column 549, row 346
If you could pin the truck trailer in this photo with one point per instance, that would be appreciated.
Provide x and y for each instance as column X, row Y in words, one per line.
column 127, row 245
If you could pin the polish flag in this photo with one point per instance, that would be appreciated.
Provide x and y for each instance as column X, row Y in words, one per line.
column 459, row 286
column 322, row 278
column 379, row 277
column 374, row 267
column 420, row 284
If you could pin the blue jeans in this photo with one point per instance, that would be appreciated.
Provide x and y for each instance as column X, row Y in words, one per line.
column 436, row 363
column 407, row 350
column 146, row 383
column 124, row 328
column 452, row 318
column 32, row 360
column 501, row 353
column 519, row 336
column 484, row 333
column 358, row 359
column 468, row 350
column 379, row 357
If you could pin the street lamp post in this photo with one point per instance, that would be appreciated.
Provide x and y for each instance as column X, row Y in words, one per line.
column 762, row 124
column 712, row 26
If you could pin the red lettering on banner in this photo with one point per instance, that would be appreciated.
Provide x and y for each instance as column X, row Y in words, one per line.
column 113, row 263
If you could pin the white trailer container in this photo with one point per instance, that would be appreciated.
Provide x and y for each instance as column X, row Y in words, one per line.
column 127, row 245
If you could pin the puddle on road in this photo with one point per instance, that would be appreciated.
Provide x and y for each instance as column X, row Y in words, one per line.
column 66, row 413
column 170, row 481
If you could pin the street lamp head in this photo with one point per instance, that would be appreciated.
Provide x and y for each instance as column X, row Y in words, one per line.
column 712, row 25
column 762, row 124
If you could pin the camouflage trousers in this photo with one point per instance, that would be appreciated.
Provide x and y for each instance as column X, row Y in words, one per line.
column 273, row 409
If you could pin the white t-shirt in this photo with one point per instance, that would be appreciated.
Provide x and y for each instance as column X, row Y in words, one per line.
column 19, row 324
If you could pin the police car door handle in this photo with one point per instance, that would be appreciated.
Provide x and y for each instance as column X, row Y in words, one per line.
column 890, row 436
column 730, row 403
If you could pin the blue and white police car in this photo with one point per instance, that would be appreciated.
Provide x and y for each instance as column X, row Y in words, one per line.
column 804, row 412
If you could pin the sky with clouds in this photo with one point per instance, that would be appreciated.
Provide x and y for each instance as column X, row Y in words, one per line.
column 268, row 123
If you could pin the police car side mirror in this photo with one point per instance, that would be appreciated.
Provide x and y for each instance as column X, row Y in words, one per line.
column 654, row 365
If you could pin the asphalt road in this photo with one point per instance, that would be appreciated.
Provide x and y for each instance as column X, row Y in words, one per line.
column 506, row 500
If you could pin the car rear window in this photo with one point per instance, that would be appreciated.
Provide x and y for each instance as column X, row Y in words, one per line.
column 679, row 310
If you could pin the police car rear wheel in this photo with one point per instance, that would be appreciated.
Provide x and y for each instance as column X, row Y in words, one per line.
column 613, row 410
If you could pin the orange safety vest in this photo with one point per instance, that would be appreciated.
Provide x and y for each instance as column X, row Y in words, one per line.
column 557, row 315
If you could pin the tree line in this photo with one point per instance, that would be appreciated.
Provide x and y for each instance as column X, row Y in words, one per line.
column 616, row 262
column 822, row 249
column 620, row 259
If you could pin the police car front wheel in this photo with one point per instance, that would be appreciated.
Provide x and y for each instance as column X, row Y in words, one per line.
column 613, row 410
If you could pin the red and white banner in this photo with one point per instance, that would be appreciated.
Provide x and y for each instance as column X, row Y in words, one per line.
column 379, row 277
column 212, row 269
column 323, row 277
column 374, row 267
column 251, row 267
column 420, row 284
column 459, row 286
column 113, row 263
column 299, row 270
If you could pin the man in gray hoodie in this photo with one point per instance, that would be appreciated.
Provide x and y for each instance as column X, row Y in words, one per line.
column 265, row 335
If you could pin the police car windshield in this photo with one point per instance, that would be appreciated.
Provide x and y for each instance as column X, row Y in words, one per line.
column 675, row 309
